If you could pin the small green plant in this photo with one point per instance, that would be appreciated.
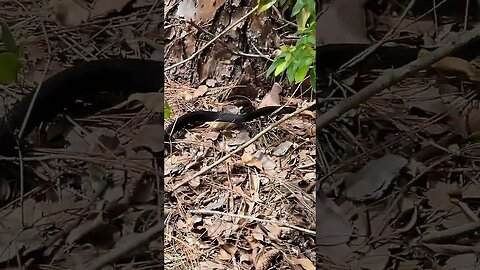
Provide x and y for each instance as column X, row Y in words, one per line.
column 10, row 62
column 167, row 111
column 298, row 60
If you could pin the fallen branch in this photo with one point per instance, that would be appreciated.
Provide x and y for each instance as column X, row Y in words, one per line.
column 393, row 76
column 113, row 255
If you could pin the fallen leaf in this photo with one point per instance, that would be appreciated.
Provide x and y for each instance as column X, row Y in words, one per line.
column 471, row 192
column 265, row 260
column 200, row 91
column 459, row 67
column 463, row 262
column 272, row 98
column 69, row 12
column 151, row 101
column 150, row 136
column 333, row 230
column 370, row 181
column 375, row 259
column 102, row 8
column 259, row 160
column 344, row 21
column 207, row 9
column 304, row 262
column 439, row 196
column 282, row 148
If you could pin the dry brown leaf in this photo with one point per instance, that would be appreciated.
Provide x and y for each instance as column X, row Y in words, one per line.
column 459, row 67
column 455, row 217
column 272, row 98
column 333, row 231
column 151, row 101
column 370, row 181
column 190, row 45
column 36, row 215
column 206, row 10
column 69, row 12
column 406, row 220
column 130, row 39
column 240, row 139
column 463, row 262
column 439, row 196
column 282, row 148
column 472, row 192
column 473, row 121
column 200, row 91
column 426, row 99
column 375, row 259
column 204, row 68
column 208, row 265
column 304, row 262
column 260, row 160
column 81, row 255
column 102, row 8
column 343, row 22
column 265, row 260
column 150, row 136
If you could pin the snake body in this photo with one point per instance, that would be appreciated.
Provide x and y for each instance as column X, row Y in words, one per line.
column 89, row 81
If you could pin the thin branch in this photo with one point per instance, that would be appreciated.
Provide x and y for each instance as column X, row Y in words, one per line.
column 394, row 76
column 114, row 254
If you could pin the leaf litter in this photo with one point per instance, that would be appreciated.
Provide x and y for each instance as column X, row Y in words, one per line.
column 398, row 175
column 255, row 210
column 93, row 181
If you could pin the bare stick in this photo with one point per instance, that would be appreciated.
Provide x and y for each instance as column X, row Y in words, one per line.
column 116, row 253
column 393, row 76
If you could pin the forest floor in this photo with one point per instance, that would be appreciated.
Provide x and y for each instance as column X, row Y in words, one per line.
column 399, row 174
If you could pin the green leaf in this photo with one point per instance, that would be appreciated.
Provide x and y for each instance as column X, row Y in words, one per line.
column 313, row 78
column 302, row 18
column 10, row 65
column 167, row 111
column 265, row 4
column 274, row 66
column 8, row 39
column 281, row 68
column 288, row 57
column 298, row 6
column 301, row 73
column 311, row 6
column 291, row 71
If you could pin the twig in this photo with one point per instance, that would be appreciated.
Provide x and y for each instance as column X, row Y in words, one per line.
column 241, row 147
column 453, row 232
column 213, row 40
column 239, row 53
column 212, row 212
column 32, row 103
column 140, row 240
column 362, row 55
column 396, row 75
